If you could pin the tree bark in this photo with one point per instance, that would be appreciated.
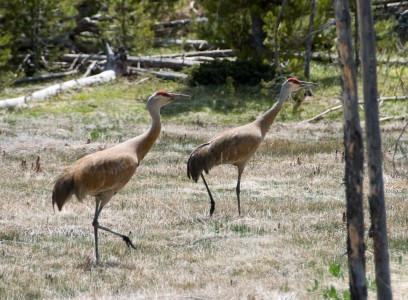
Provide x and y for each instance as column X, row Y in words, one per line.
column 258, row 35
column 374, row 164
column 354, row 153
column 309, row 40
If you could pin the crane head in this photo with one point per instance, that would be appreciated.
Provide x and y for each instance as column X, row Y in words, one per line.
column 162, row 97
column 294, row 84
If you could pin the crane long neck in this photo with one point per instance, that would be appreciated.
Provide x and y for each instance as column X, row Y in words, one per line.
column 144, row 142
column 266, row 120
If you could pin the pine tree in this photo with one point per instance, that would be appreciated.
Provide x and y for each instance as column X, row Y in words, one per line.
column 129, row 24
column 36, row 27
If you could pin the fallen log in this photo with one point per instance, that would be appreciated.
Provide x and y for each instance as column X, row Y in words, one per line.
column 161, row 74
column 207, row 53
column 180, row 22
column 90, row 68
column 57, row 88
column 45, row 77
column 116, row 64
column 196, row 44
column 174, row 64
column 144, row 62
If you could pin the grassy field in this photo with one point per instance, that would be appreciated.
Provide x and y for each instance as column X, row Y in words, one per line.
column 289, row 242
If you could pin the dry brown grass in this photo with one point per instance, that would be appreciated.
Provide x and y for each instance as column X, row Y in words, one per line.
column 290, row 232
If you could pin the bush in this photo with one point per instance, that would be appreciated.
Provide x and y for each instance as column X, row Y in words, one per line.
column 221, row 72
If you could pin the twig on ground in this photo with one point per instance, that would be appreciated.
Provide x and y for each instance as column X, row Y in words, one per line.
column 381, row 100
column 397, row 143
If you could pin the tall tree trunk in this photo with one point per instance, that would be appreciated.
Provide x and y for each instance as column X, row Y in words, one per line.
column 374, row 164
column 258, row 35
column 276, row 43
column 356, row 41
column 309, row 40
column 354, row 153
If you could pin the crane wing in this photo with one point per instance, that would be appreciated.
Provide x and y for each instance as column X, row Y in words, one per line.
column 102, row 171
column 235, row 146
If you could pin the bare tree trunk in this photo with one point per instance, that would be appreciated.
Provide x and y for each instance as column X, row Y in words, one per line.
column 376, row 185
column 309, row 40
column 258, row 35
column 356, row 41
column 276, row 43
column 354, row 153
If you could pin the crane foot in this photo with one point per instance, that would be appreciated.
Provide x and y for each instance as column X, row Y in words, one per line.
column 128, row 242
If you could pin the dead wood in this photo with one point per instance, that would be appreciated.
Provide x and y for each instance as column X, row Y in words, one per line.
column 161, row 74
column 144, row 62
column 187, row 44
column 353, row 153
column 180, row 22
column 90, row 68
column 381, row 100
column 57, row 88
column 45, row 77
column 220, row 53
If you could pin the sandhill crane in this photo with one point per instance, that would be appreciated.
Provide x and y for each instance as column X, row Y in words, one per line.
column 237, row 145
column 102, row 174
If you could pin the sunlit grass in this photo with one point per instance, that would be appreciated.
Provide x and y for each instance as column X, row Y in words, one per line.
column 288, row 243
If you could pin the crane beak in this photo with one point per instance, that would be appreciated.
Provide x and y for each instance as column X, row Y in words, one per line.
column 307, row 86
column 175, row 96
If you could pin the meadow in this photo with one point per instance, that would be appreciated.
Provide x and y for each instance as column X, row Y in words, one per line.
column 288, row 243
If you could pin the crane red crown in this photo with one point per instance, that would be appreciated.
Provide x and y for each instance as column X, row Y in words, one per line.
column 162, row 93
column 294, row 80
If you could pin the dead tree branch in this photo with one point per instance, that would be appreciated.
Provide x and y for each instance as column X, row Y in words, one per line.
column 337, row 107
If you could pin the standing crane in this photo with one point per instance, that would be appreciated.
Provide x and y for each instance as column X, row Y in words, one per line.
column 102, row 174
column 237, row 145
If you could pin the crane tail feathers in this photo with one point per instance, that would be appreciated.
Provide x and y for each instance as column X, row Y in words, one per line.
column 199, row 161
column 63, row 190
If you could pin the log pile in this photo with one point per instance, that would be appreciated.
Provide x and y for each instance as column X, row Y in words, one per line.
column 102, row 68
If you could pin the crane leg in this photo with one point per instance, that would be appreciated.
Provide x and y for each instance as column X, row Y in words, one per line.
column 238, row 189
column 209, row 193
column 96, row 226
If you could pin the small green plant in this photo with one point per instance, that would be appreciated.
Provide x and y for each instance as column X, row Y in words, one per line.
column 217, row 226
column 9, row 120
column 98, row 133
column 335, row 270
column 9, row 236
column 331, row 293
column 241, row 228
column 371, row 284
column 314, row 287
